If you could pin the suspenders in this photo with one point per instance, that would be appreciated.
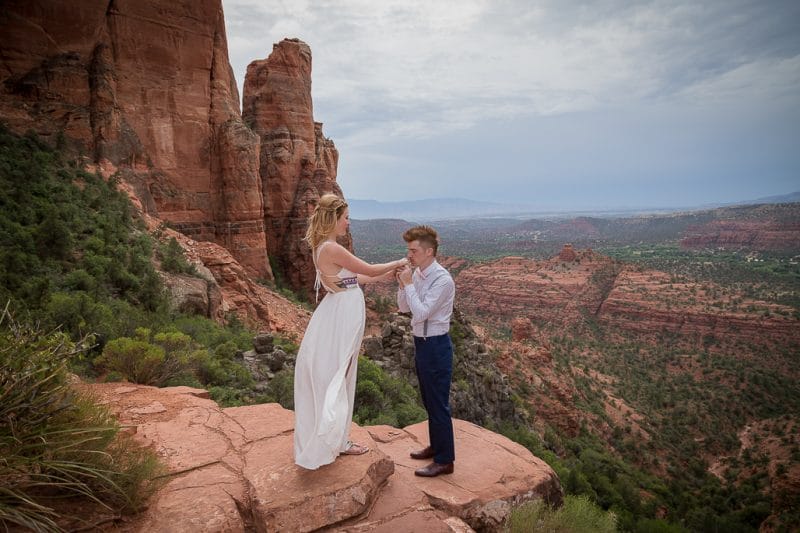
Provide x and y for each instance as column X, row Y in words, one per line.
column 425, row 324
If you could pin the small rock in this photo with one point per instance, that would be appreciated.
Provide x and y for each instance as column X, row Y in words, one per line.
column 275, row 360
column 263, row 343
column 373, row 347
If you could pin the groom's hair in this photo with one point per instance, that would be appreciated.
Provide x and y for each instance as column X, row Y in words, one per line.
column 426, row 236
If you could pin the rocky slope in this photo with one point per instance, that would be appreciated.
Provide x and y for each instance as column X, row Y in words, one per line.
column 232, row 470
column 576, row 285
column 480, row 393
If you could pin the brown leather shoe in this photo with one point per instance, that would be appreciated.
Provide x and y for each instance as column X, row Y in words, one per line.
column 425, row 453
column 434, row 469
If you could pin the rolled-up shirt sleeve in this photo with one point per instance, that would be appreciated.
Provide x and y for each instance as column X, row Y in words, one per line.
column 441, row 292
column 402, row 303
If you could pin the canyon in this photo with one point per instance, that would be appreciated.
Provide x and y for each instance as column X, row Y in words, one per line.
column 143, row 94
column 574, row 286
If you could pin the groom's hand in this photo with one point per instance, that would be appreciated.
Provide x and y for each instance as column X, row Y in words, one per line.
column 404, row 277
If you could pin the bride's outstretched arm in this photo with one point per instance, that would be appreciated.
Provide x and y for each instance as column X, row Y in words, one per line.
column 339, row 255
column 389, row 276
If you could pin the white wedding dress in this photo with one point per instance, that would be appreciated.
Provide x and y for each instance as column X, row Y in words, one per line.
column 325, row 370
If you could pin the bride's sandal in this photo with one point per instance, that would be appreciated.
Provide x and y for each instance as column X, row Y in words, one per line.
column 354, row 449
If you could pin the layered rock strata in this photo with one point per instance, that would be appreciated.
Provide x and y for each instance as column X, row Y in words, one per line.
column 297, row 163
column 555, row 292
column 144, row 88
column 767, row 227
column 232, row 470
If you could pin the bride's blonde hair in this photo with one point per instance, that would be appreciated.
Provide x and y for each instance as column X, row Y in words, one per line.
column 323, row 221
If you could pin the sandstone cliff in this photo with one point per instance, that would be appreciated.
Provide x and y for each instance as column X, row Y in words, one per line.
column 232, row 470
column 560, row 291
column 144, row 88
column 744, row 235
column 297, row 163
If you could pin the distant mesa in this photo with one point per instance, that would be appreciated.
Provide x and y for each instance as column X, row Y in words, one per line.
column 574, row 284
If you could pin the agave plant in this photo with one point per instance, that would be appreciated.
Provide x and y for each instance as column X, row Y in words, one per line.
column 54, row 442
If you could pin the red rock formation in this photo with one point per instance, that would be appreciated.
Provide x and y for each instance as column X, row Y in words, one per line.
column 567, row 253
column 554, row 293
column 298, row 164
column 744, row 234
column 232, row 470
column 649, row 301
column 521, row 329
column 546, row 292
column 144, row 87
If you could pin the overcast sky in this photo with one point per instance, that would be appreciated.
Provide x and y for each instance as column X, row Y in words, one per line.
column 556, row 103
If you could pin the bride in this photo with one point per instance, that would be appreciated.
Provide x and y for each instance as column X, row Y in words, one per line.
column 325, row 370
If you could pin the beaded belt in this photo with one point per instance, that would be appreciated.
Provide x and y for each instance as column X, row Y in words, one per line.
column 348, row 283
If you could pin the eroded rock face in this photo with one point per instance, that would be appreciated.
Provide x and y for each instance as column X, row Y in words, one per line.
column 227, row 288
column 143, row 87
column 648, row 301
column 555, row 293
column 774, row 233
column 297, row 163
column 232, row 470
column 521, row 329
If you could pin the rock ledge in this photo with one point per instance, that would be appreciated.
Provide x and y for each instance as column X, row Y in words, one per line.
column 232, row 470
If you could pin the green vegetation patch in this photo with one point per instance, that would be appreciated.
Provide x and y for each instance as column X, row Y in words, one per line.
column 56, row 443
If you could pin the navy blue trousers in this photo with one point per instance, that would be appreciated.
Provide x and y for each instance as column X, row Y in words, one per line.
column 434, row 362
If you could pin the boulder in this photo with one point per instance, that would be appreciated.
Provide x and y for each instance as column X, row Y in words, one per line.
column 263, row 343
column 194, row 295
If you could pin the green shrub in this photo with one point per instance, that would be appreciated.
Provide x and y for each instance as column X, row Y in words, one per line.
column 63, row 230
column 56, row 443
column 280, row 389
column 148, row 362
column 577, row 515
column 382, row 399
column 173, row 260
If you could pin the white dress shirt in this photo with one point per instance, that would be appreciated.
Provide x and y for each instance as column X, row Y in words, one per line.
column 429, row 297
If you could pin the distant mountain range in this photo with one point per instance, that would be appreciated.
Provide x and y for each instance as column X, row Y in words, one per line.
column 454, row 208
column 780, row 199
column 430, row 209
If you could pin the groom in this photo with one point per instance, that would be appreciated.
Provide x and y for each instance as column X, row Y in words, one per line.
column 428, row 293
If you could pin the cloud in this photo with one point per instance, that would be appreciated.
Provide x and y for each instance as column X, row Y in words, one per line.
column 390, row 74
column 488, row 59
